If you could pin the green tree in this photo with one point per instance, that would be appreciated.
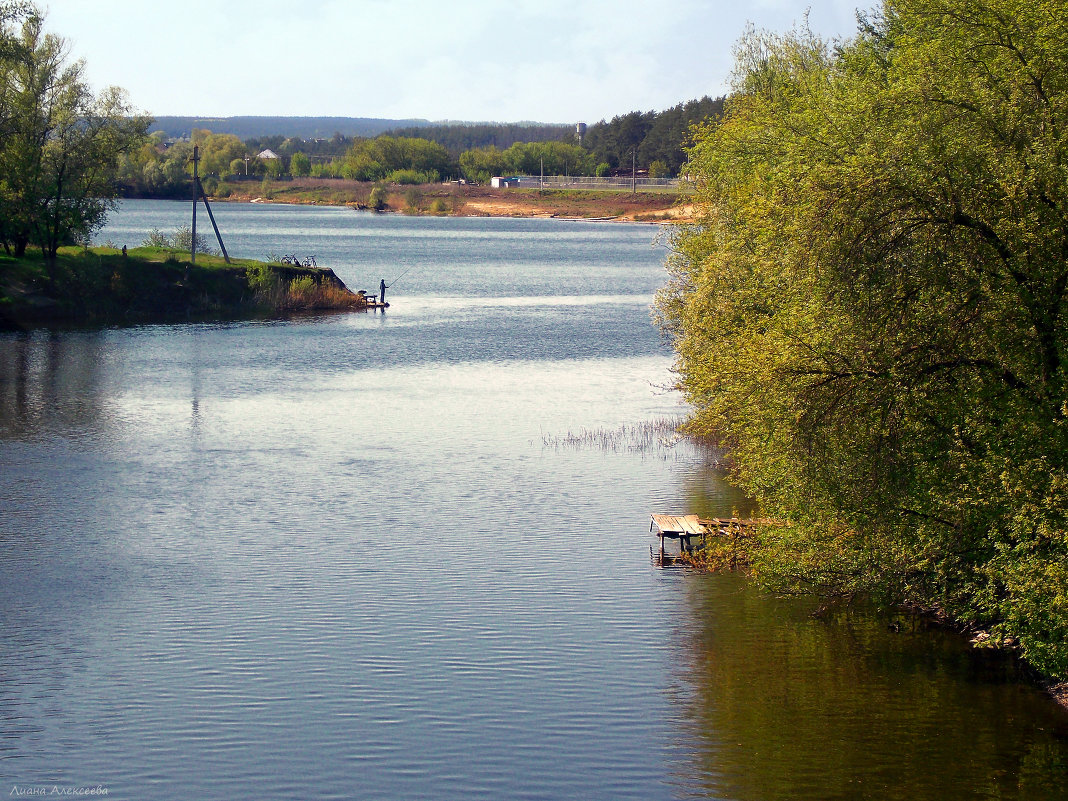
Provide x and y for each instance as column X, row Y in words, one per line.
column 555, row 158
column 871, row 311
column 59, row 162
column 480, row 164
column 275, row 167
column 218, row 151
column 375, row 159
column 300, row 165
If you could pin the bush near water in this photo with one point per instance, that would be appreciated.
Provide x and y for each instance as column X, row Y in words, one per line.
column 871, row 310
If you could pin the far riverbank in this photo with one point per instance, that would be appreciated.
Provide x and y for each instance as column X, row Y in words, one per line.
column 464, row 200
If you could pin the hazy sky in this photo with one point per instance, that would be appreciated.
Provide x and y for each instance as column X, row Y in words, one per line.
column 500, row 60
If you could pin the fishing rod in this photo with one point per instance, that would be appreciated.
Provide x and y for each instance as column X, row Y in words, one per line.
column 399, row 277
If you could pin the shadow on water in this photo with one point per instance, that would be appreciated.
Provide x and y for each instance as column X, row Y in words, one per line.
column 782, row 705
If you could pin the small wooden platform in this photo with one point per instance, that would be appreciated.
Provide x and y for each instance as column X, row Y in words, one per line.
column 685, row 527
column 371, row 301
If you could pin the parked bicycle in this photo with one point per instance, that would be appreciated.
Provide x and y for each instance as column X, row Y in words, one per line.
column 296, row 261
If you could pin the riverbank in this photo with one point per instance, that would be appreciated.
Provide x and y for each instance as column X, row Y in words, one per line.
column 106, row 286
column 463, row 200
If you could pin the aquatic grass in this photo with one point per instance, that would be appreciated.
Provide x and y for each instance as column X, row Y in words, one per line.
column 659, row 436
column 640, row 437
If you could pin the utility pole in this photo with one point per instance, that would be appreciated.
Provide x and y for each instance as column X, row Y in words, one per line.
column 633, row 171
column 198, row 193
column 196, row 197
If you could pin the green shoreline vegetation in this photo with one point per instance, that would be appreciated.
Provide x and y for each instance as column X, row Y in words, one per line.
column 102, row 285
column 871, row 312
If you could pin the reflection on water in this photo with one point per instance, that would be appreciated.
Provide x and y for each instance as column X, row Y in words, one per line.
column 787, row 706
column 342, row 557
column 51, row 381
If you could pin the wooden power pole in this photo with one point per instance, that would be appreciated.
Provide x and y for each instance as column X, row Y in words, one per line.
column 200, row 194
column 196, row 197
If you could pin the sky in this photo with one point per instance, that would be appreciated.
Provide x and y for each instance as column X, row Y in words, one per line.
column 548, row 61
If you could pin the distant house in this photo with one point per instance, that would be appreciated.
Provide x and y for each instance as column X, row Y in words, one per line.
column 267, row 154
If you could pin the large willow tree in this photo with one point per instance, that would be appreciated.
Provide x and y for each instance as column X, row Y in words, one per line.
column 871, row 310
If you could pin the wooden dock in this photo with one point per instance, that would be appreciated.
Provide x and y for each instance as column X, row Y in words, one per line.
column 685, row 528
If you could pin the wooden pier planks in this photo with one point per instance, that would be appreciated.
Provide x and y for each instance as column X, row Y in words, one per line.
column 684, row 527
column 673, row 526
column 688, row 525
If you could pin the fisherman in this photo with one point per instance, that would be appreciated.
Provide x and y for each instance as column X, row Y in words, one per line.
column 382, row 292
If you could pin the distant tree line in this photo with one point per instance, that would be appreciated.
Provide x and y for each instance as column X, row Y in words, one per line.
column 651, row 142
column 460, row 138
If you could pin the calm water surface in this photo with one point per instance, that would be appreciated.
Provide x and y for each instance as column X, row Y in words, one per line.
column 359, row 556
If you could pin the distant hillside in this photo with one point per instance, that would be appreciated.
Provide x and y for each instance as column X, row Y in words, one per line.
column 302, row 127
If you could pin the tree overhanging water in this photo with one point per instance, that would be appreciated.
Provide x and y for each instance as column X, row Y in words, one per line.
column 871, row 310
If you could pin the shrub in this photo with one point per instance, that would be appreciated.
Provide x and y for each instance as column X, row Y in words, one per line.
column 183, row 240
column 413, row 199
column 412, row 177
column 156, row 239
column 377, row 199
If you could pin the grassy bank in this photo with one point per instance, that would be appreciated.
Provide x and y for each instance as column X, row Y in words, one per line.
column 105, row 286
column 466, row 200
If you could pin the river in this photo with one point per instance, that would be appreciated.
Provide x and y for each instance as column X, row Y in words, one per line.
column 405, row 555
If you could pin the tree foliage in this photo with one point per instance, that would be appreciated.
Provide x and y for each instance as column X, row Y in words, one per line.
column 60, row 143
column 871, row 311
column 376, row 159
column 461, row 137
column 650, row 136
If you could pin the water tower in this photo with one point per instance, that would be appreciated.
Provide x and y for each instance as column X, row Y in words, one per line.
column 580, row 131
